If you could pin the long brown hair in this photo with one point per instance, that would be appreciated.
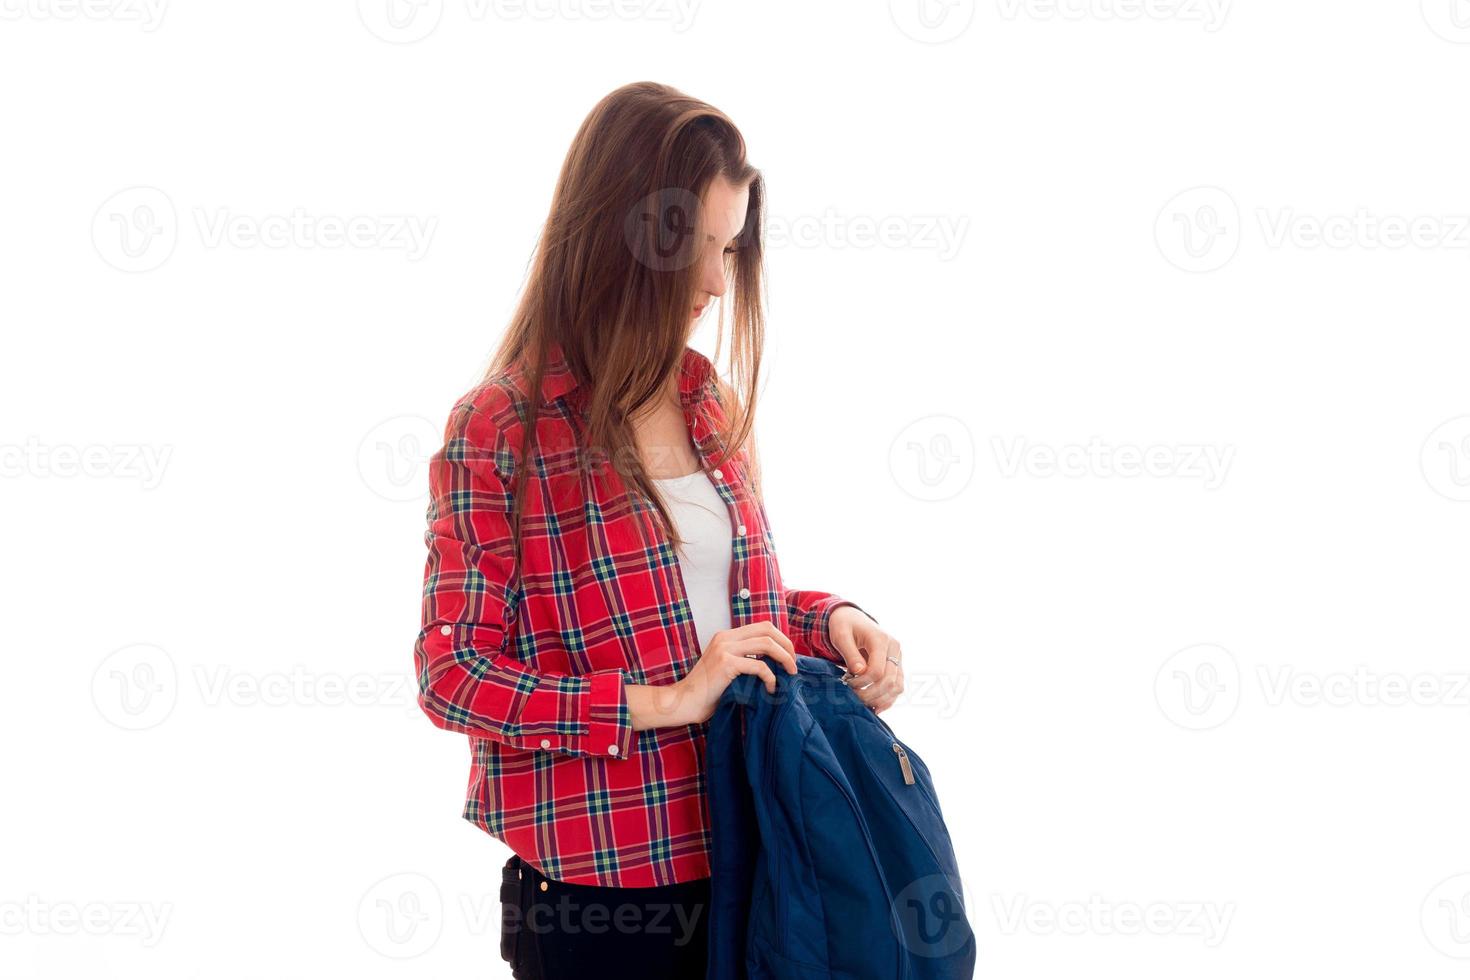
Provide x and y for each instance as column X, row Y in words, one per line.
column 612, row 279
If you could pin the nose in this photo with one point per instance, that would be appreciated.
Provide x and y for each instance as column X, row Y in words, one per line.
column 712, row 275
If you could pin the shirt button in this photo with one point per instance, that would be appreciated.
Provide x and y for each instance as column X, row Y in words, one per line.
column 612, row 750
column 745, row 593
column 446, row 630
column 740, row 529
column 546, row 743
column 717, row 475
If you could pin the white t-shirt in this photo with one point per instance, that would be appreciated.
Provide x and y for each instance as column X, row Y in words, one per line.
column 703, row 520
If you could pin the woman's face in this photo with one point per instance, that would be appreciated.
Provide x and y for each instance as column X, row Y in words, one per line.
column 723, row 215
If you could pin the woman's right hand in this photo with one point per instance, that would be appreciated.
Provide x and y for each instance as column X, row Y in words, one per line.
column 695, row 698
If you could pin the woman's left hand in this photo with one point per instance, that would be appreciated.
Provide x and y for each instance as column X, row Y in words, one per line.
column 872, row 656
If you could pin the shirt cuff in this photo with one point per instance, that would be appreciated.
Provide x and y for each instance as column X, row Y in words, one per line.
column 821, row 639
column 604, row 717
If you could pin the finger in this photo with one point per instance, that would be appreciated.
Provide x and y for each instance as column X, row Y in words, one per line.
column 882, row 693
column 735, row 664
column 776, row 651
column 764, row 646
column 892, row 677
column 895, row 688
column 866, row 692
column 874, row 644
column 782, row 639
column 765, row 628
column 759, row 668
column 889, row 697
column 847, row 646
column 879, row 666
column 895, row 681
column 881, row 700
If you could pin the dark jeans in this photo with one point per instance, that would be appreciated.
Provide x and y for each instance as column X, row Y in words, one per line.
column 551, row 929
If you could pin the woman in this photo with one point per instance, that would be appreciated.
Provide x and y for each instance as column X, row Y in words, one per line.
column 584, row 612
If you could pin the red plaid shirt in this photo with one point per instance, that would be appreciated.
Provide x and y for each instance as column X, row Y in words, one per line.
column 530, row 662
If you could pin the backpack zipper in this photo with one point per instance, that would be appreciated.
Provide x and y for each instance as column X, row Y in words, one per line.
column 903, row 762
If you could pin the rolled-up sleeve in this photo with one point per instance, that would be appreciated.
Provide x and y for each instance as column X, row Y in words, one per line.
column 469, row 680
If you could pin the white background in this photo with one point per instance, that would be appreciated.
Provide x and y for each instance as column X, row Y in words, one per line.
column 1229, row 698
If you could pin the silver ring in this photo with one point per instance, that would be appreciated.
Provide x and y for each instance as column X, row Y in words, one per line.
column 894, row 660
column 754, row 656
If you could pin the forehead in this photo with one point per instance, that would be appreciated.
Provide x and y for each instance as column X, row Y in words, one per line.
column 723, row 208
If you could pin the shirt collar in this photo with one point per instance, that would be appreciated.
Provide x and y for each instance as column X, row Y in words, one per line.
column 694, row 373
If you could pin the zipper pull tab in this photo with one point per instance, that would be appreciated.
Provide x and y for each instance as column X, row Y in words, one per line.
column 903, row 762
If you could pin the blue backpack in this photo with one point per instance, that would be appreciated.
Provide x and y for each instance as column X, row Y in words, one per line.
column 830, row 857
